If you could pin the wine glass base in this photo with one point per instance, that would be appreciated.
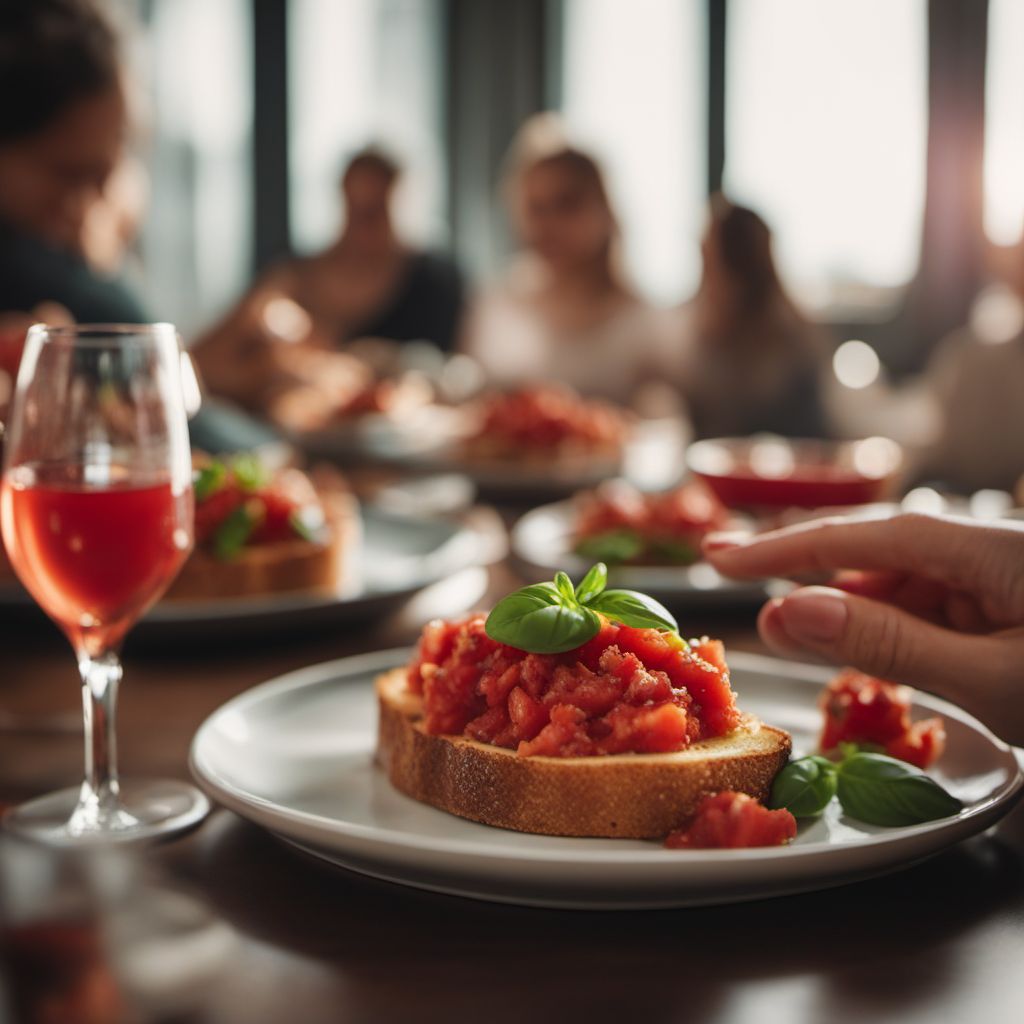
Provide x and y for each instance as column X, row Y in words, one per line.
column 153, row 809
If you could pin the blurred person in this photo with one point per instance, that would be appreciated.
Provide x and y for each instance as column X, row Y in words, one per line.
column 931, row 601
column 749, row 360
column 976, row 378
column 564, row 311
column 370, row 282
column 70, row 199
column 63, row 125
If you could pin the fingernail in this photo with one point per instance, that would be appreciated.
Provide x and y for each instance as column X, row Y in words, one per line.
column 726, row 540
column 814, row 613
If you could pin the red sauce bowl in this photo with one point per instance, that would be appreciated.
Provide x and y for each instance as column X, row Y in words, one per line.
column 768, row 472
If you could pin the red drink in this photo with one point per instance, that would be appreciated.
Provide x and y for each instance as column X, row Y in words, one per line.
column 93, row 557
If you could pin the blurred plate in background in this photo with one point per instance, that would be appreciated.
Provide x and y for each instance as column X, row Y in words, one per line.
column 416, row 437
column 542, row 544
column 398, row 557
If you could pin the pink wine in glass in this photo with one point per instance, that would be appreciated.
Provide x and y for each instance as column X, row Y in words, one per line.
column 94, row 558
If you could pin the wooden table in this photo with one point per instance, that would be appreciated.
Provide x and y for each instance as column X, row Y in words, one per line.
column 303, row 943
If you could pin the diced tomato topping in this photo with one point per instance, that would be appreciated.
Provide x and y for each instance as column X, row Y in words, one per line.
column 545, row 417
column 862, row 709
column 274, row 506
column 277, row 520
column 625, row 691
column 674, row 520
column 212, row 511
column 732, row 821
column 527, row 715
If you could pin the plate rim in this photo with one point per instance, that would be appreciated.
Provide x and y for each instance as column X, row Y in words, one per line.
column 343, row 670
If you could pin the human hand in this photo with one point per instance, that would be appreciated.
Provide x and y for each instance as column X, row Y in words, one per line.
column 935, row 602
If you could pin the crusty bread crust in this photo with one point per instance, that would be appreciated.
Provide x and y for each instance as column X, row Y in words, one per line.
column 284, row 567
column 635, row 796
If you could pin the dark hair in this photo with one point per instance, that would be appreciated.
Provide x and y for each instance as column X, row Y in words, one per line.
column 375, row 159
column 744, row 243
column 52, row 53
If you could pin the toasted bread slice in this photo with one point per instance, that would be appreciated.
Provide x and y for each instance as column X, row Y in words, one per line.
column 287, row 566
column 635, row 796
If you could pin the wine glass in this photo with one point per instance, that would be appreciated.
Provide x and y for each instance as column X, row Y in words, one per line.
column 96, row 510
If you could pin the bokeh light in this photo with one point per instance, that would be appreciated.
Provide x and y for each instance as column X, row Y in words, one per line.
column 856, row 364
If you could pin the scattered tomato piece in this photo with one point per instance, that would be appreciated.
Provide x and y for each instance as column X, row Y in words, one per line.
column 548, row 417
column 729, row 820
column 862, row 709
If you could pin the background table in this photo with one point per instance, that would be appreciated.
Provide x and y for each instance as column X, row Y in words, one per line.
column 943, row 940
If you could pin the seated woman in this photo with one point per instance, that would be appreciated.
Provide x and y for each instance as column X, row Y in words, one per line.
column 369, row 283
column 747, row 360
column 564, row 310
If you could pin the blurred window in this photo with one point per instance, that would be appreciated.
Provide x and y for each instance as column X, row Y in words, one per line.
column 364, row 72
column 634, row 92
column 1004, row 122
column 826, row 131
column 196, row 244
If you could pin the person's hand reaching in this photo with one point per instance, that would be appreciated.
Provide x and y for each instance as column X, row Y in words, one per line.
column 935, row 602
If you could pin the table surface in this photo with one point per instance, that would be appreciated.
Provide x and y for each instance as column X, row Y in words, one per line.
column 310, row 943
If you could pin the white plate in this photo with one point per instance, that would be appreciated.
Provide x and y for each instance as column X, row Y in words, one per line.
column 416, row 437
column 542, row 543
column 399, row 556
column 295, row 756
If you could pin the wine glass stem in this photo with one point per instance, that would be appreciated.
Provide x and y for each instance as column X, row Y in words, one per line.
column 99, row 804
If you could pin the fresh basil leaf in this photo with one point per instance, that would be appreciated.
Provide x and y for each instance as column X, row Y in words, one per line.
column 675, row 552
column 634, row 609
column 536, row 619
column 593, row 583
column 209, row 480
column 565, row 587
column 231, row 535
column 613, row 546
column 880, row 790
column 805, row 787
column 249, row 471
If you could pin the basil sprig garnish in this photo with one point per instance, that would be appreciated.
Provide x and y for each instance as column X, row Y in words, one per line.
column 883, row 791
column 805, row 787
column 232, row 534
column 249, row 471
column 872, row 788
column 550, row 618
